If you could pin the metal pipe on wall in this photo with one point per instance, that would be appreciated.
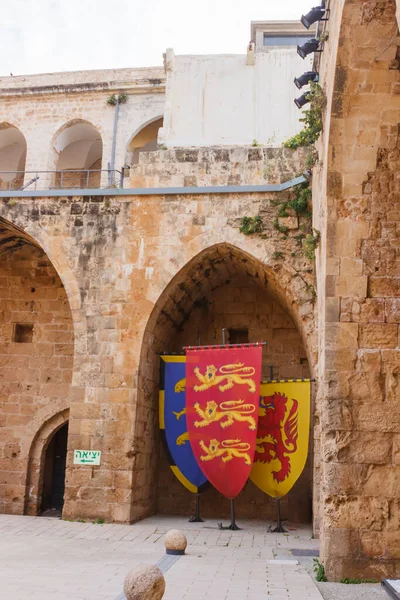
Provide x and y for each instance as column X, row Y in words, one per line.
column 111, row 177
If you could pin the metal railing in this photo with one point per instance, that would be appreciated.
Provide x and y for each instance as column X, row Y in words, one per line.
column 65, row 179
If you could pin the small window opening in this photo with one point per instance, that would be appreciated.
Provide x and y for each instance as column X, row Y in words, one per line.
column 23, row 333
column 238, row 336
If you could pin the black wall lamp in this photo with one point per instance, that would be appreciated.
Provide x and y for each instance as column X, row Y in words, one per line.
column 316, row 14
column 309, row 47
column 302, row 100
column 307, row 77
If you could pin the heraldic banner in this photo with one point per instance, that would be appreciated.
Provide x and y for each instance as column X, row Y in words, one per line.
column 282, row 436
column 172, row 419
column 222, row 397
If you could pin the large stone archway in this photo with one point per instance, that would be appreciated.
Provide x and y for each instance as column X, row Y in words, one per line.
column 36, row 360
column 356, row 199
column 222, row 286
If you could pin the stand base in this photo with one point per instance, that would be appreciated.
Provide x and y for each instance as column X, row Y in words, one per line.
column 232, row 527
column 279, row 529
column 196, row 520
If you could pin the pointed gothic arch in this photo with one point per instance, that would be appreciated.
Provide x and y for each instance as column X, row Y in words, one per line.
column 222, row 286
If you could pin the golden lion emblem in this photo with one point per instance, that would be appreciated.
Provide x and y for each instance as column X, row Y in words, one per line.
column 230, row 411
column 180, row 385
column 227, row 450
column 231, row 374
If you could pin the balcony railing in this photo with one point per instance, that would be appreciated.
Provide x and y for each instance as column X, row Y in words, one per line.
column 66, row 179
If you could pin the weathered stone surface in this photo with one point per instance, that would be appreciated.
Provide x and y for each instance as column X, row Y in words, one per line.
column 349, row 512
column 376, row 335
column 175, row 540
column 144, row 583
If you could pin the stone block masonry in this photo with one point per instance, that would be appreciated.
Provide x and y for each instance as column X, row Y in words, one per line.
column 356, row 196
column 35, row 371
column 135, row 272
column 216, row 166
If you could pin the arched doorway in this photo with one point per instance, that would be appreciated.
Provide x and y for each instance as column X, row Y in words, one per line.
column 55, row 461
column 145, row 140
column 80, row 150
column 222, row 287
column 12, row 157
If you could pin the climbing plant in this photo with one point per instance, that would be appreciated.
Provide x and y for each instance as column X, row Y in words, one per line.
column 312, row 119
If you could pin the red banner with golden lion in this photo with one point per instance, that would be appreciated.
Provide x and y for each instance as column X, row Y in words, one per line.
column 222, row 398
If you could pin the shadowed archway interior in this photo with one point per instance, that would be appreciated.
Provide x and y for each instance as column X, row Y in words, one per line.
column 222, row 287
column 36, row 360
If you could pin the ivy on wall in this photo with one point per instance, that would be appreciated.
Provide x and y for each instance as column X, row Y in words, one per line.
column 312, row 119
column 299, row 203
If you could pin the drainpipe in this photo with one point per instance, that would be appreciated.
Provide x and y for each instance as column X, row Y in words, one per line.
column 111, row 176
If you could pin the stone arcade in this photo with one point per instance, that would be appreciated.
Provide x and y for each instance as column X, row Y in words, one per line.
column 96, row 280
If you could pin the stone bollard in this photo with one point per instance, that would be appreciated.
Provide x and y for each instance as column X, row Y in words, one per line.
column 144, row 583
column 175, row 542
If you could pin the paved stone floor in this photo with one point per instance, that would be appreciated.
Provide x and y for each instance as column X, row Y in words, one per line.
column 43, row 558
column 48, row 559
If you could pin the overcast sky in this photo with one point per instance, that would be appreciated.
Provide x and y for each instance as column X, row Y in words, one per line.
column 65, row 35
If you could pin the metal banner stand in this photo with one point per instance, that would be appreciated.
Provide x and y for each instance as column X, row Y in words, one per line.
column 232, row 526
column 197, row 518
column 279, row 527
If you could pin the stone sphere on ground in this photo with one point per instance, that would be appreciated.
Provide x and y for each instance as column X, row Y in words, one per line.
column 144, row 583
column 175, row 542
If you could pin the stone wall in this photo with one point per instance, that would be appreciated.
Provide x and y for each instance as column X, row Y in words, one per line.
column 132, row 267
column 41, row 105
column 35, row 366
column 226, row 99
column 356, row 196
column 240, row 165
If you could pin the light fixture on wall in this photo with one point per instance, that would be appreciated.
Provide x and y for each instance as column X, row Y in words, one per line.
column 316, row 14
column 306, row 78
column 302, row 100
column 312, row 45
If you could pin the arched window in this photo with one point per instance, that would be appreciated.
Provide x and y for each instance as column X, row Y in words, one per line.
column 80, row 149
column 12, row 157
column 145, row 140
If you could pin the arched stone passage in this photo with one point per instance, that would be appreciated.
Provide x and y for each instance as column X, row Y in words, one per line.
column 12, row 157
column 220, row 287
column 360, row 358
column 79, row 149
column 36, row 356
column 144, row 140
column 37, row 459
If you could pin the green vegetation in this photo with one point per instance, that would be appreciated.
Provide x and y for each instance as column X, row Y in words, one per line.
column 311, row 243
column 250, row 225
column 349, row 580
column 312, row 120
column 112, row 100
column 319, row 570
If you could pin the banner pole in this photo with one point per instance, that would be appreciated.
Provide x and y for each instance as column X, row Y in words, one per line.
column 279, row 528
column 197, row 518
column 233, row 525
